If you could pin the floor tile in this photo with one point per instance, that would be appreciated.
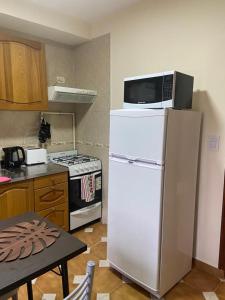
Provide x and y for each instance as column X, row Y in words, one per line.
column 88, row 229
column 78, row 264
column 104, row 239
column 129, row 292
column 89, row 238
column 220, row 291
column 78, row 279
column 184, row 292
column 103, row 264
column 106, row 280
column 87, row 251
column 48, row 297
column 101, row 229
column 202, row 281
column 100, row 250
column 103, row 296
column 210, row 296
column 34, row 281
column 50, row 283
column 22, row 293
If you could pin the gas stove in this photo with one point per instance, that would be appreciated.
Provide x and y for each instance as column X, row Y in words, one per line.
column 78, row 164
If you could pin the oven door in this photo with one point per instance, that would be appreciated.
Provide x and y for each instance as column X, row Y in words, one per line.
column 75, row 200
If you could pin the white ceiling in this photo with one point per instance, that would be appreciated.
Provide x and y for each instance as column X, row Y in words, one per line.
column 87, row 10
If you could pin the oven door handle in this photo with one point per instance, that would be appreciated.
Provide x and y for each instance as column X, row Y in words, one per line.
column 79, row 177
column 86, row 210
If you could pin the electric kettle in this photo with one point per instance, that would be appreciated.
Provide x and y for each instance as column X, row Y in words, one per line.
column 14, row 157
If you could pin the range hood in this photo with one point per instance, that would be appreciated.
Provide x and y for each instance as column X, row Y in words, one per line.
column 70, row 95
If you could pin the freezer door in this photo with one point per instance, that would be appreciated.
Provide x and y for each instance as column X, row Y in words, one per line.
column 134, row 220
column 138, row 134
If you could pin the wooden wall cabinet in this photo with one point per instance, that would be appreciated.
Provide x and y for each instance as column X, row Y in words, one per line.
column 16, row 199
column 23, row 84
column 51, row 198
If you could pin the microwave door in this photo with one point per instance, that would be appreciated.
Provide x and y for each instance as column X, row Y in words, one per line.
column 144, row 92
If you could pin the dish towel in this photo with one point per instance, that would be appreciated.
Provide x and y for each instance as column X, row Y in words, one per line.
column 88, row 188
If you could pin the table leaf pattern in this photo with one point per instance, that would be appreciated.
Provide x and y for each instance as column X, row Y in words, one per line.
column 25, row 239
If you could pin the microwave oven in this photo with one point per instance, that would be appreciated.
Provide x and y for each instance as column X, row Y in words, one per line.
column 160, row 90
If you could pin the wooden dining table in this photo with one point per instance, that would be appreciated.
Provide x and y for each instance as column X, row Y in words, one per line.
column 15, row 273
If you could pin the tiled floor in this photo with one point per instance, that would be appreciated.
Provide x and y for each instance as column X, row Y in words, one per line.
column 108, row 284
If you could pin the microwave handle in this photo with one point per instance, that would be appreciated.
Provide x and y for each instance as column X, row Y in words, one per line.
column 79, row 177
column 85, row 210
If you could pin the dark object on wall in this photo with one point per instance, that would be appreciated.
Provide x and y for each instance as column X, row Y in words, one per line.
column 14, row 157
column 24, row 239
column 44, row 131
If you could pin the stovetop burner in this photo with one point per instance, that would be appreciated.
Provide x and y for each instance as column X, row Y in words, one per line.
column 74, row 159
column 77, row 164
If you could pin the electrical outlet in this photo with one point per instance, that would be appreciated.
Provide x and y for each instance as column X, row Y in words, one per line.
column 213, row 143
column 60, row 79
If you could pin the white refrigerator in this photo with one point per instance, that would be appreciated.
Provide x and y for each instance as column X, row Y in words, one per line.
column 153, row 158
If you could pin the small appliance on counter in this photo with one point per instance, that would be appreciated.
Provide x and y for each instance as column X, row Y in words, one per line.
column 14, row 157
column 35, row 156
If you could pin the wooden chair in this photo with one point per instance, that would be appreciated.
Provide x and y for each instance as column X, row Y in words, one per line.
column 12, row 294
column 83, row 291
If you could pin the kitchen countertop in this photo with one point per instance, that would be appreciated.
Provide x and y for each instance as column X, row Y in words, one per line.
column 30, row 172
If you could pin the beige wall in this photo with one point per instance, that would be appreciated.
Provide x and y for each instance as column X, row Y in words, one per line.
column 187, row 36
column 92, row 71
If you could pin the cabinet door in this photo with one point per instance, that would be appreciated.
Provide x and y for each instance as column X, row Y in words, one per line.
column 22, row 74
column 16, row 199
column 51, row 196
column 57, row 215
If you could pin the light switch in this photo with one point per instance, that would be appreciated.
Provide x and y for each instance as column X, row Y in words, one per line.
column 213, row 142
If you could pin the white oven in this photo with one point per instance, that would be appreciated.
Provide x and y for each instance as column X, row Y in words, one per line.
column 85, row 186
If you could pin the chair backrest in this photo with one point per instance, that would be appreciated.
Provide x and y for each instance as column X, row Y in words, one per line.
column 83, row 291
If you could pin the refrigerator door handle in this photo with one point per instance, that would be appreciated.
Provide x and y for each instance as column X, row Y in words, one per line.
column 119, row 159
column 137, row 163
column 122, row 158
column 115, row 155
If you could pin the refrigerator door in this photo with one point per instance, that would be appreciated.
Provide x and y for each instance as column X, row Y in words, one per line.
column 138, row 134
column 134, row 220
